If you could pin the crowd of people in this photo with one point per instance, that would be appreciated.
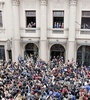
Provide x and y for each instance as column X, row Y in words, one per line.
column 33, row 79
column 58, row 25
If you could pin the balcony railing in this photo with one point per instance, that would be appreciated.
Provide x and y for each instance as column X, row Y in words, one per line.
column 85, row 31
column 30, row 30
column 56, row 30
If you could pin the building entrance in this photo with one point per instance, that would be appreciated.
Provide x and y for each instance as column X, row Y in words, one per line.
column 57, row 50
column 31, row 49
column 83, row 55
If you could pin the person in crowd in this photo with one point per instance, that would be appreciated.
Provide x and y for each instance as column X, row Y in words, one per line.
column 19, row 58
column 55, row 25
column 85, row 26
column 31, row 25
column 34, row 25
column 34, row 79
column 58, row 25
column 62, row 26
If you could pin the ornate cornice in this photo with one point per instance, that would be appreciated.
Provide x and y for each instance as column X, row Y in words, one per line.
column 15, row 2
column 43, row 2
column 73, row 2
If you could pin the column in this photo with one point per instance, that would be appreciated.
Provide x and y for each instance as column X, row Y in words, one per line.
column 71, row 37
column 16, row 34
column 43, row 32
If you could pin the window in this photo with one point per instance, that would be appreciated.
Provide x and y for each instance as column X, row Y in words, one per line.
column 30, row 19
column 85, row 21
column 2, row 53
column 1, row 19
column 58, row 19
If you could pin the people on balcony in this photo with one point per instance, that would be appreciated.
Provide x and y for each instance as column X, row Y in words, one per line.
column 85, row 26
column 58, row 25
column 31, row 25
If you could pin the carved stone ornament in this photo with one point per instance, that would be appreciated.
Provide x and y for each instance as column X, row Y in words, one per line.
column 73, row 2
column 43, row 2
column 15, row 2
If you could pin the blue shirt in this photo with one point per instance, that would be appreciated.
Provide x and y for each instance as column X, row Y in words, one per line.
column 19, row 58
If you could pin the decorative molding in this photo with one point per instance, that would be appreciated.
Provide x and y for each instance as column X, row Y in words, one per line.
column 43, row 2
column 15, row 2
column 73, row 2
column 28, row 41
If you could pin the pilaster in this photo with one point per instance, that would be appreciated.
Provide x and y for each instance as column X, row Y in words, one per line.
column 71, row 45
column 43, row 34
column 16, row 30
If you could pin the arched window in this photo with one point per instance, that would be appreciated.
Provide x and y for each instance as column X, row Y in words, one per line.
column 57, row 50
column 31, row 48
column 83, row 55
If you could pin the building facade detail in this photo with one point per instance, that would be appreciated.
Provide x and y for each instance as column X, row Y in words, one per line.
column 46, row 25
column 15, row 2
column 73, row 2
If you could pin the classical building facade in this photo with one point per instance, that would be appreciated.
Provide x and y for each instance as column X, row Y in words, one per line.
column 46, row 28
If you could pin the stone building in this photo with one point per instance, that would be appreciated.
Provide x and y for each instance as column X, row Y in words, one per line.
column 45, row 27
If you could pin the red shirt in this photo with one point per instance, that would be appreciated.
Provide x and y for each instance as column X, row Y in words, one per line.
column 64, row 90
column 85, row 98
column 37, row 77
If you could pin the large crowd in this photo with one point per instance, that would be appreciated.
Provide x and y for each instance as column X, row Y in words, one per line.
column 33, row 79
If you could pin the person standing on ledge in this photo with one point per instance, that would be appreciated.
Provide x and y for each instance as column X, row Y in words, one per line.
column 19, row 58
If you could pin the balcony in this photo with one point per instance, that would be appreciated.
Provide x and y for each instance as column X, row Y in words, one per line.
column 56, row 30
column 30, row 30
column 85, row 31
